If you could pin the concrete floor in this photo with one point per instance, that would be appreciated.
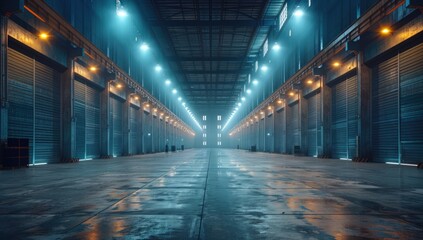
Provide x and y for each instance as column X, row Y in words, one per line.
column 212, row 194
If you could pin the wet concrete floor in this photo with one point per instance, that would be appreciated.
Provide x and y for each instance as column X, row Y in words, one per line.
column 212, row 194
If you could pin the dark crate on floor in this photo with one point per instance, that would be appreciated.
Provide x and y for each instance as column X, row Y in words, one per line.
column 17, row 153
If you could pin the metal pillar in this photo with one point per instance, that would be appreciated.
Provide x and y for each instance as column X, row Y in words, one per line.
column 68, row 98
column 125, row 125
column 364, row 77
column 3, row 82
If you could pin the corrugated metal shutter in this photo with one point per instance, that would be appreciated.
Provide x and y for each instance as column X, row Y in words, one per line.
column 411, row 83
column 79, row 111
column 34, row 93
column 133, row 133
column 279, row 131
column 339, row 120
column 352, row 98
column 261, row 135
column 313, row 124
column 92, row 113
column 117, row 126
column 385, row 111
column 344, row 118
column 155, row 134
column 269, row 135
column 47, row 114
column 293, row 128
column 147, row 131
column 21, row 97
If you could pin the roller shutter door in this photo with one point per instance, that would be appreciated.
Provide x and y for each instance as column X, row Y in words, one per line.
column 92, row 121
column 147, row 131
column 279, row 131
column 79, row 111
column 21, row 97
column 261, row 135
column 116, row 107
column 397, row 102
column 133, row 126
column 155, row 134
column 344, row 118
column 269, row 135
column 87, row 114
column 293, row 128
column 313, row 125
column 411, row 80
column 34, row 113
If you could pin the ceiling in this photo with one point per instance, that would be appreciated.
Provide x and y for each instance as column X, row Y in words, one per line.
column 210, row 45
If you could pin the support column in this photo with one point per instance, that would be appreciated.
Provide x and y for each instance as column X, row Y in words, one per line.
column 303, row 107
column 105, row 148
column 3, row 83
column 326, row 119
column 140, row 123
column 68, row 98
column 364, row 105
column 125, row 124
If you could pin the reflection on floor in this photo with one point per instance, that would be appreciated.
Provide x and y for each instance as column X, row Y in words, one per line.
column 212, row 194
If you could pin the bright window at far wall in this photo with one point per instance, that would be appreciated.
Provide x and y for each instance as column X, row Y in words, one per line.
column 219, row 118
column 219, row 126
column 204, row 117
column 219, row 143
column 204, row 143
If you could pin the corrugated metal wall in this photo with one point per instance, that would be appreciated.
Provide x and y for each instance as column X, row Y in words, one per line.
column 397, row 120
column 133, row 129
column 34, row 112
column 116, row 111
column 313, row 124
column 87, row 113
column 344, row 118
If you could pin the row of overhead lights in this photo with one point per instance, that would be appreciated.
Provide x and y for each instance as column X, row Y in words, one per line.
column 121, row 12
column 158, row 68
column 298, row 12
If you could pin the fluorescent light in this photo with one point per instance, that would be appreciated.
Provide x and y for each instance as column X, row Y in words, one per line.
column 298, row 12
column 179, row 99
column 248, row 91
column 158, row 68
column 255, row 82
column 243, row 99
column 276, row 47
column 121, row 12
column 144, row 47
column 264, row 68
column 168, row 82
column 174, row 91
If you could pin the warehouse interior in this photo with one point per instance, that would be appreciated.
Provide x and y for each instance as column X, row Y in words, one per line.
column 211, row 119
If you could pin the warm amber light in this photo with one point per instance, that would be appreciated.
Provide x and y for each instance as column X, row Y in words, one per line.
column 93, row 69
column 261, row 112
column 385, row 31
column 270, row 108
column 309, row 82
column 44, row 36
column 119, row 85
column 336, row 64
column 155, row 109
column 291, row 94
column 148, row 105
column 136, row 97
column 280, row 101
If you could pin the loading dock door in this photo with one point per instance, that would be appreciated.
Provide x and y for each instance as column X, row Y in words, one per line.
column 34, row 110
column 344, row 118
